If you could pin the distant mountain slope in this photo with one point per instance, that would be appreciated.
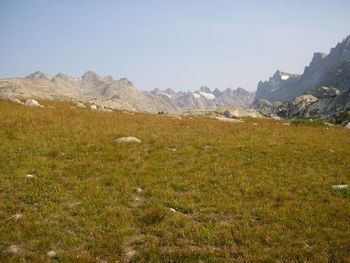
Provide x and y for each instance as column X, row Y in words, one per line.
column 279, row 89
column 120, row 93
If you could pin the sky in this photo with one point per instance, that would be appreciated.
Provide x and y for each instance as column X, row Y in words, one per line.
column 178, row 44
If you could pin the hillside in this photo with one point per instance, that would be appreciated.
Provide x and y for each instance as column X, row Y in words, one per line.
column 194, row 190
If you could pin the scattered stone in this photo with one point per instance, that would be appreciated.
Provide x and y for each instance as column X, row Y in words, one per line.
column 81, row 105
column 331, row 150
column 138, row 189
column 207, row 147
column 93, row 107
column 347, row 126
column 228, row 120
column 129, row 139
column 227, row 114
column 51, row 254
column 29, row 176
column 172, row 210
column 171, row 149
column 13, row 249
column 33, row 103
column 275, row 117
column 17, row 216
column 255, row 124
column 105, row 109
column 340, row 186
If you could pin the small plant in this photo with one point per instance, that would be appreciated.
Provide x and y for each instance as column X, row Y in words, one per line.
column 309, row 122
column 153, row 215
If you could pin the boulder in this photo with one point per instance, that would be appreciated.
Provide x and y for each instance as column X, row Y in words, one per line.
column 33, row 103
column 81, row 105
column 340, row 186
column 128, row 139
column 227, row 114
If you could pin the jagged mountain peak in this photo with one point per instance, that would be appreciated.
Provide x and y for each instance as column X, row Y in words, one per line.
column 217, row 92
column 37, row 75
column 205, row 89
column 90, row 75
column 169, row 91
column 125, row 81
column 61, row 76
column 109, row 78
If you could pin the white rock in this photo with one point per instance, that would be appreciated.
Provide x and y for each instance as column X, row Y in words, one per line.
column 138, row 189
column 14, row 249
column 340, row 186
column 51, row 254
column 17, row 216
column 81, row 105
column 93, row 107
column 32, row 103
column 29, row 176
column 106, row 110
column 171, row 149
column 172, row 210
column 347, row 126
column 129, row 139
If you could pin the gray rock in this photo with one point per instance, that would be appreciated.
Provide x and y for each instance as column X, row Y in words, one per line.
column 33, row 103
column 227, row 114
column 340, row 186
column 13, row 249
column 129, row 139
column 81, row 105
column 51, row 254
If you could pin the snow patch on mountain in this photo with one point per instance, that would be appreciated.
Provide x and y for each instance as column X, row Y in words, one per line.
column 208, row 96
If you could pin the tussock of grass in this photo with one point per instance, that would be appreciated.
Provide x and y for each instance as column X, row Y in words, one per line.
column 309, row 122
column 259, row 194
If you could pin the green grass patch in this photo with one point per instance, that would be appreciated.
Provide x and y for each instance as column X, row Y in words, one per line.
column 260, row 193
column 309, row 122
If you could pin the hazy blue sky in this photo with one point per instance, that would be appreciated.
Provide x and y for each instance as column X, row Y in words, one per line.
column 179, row 44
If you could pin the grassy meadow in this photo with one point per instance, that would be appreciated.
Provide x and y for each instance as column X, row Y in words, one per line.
column 195, row 190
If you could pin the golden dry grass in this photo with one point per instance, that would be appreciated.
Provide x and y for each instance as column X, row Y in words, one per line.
column 242, row 192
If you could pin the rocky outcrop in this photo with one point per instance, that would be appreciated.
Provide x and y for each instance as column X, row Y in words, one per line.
column 299, row 107
column 284, row 86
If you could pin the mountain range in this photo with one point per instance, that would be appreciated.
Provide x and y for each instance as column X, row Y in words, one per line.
column 121, row 94
column 322, row 90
